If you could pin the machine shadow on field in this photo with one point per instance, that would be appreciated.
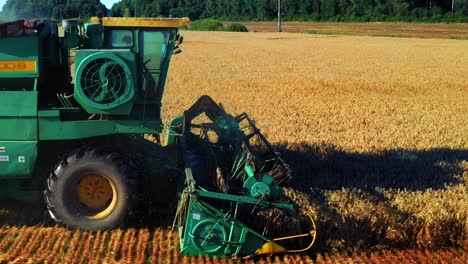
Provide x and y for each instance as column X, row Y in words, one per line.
column 16, row 212
column 361, row 216
column 326, row 167
column 347, row 193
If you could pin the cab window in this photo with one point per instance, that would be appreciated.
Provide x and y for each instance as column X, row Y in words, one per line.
column 122, row 38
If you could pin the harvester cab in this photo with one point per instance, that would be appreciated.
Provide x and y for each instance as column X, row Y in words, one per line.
column 68, row 98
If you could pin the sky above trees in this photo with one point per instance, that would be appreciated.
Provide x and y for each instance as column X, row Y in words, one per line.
column 107, row 3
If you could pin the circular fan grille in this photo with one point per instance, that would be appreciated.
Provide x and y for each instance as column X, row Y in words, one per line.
column 104, row 81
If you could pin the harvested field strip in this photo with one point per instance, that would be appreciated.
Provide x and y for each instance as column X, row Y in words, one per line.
column 419, row 30
column 113, row 252
column 73, row 246
column 60, row 247
column 32, row 244
column 101, row 245
column 142, row 245
column 47, row 243
column 8, row 236
column 157, row 246
column 397, row 256
column 86, row 253
column 128, row 246
column 20, row 241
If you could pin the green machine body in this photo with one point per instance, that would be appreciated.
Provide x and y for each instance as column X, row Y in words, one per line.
column 103, row 78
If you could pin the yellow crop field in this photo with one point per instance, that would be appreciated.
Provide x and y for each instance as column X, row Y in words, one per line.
column 374, row 129
column 361, row 94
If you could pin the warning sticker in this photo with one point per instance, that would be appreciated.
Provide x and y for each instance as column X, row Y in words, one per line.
column 2, row 149
column 21, row 159
column 4, row 158
column 196, row 216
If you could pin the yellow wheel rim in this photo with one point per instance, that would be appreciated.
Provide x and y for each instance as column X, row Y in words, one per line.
column 98, row 194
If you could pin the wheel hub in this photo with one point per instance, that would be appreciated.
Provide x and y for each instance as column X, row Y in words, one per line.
column 97, row 194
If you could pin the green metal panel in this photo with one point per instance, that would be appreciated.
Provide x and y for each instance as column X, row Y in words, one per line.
column 211, row 232
column 17, row 159
column 52, row 128
column 18, row 84
column 94, row 32
column 18, row 115
column 12, row 189
column 172, row 132
column 20, row 52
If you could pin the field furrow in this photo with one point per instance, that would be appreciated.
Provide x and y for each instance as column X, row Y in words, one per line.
column 9, row 234
column 20, row 242
column 142, row 245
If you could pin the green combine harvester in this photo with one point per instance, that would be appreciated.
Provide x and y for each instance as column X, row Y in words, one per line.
column 72, row 106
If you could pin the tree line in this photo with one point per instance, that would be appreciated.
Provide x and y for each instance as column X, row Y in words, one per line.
column 18, row 9
column 260, row 10
column 317, row 10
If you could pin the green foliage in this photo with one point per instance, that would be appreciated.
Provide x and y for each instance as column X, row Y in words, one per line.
column 458, row 37
column 58, row 9
column 236, row 27
column 312, row 31
column 127, row 12
column 206, row 25
column 257, row 10
column 210, row 24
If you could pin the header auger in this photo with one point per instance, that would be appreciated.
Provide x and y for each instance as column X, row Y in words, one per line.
column 70, row 105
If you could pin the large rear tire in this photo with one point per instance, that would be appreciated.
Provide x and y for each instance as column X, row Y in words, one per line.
column 89, row 191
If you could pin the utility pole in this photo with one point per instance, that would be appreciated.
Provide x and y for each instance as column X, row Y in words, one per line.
column 135, row 8
column 279, row 16
column 453, row 5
